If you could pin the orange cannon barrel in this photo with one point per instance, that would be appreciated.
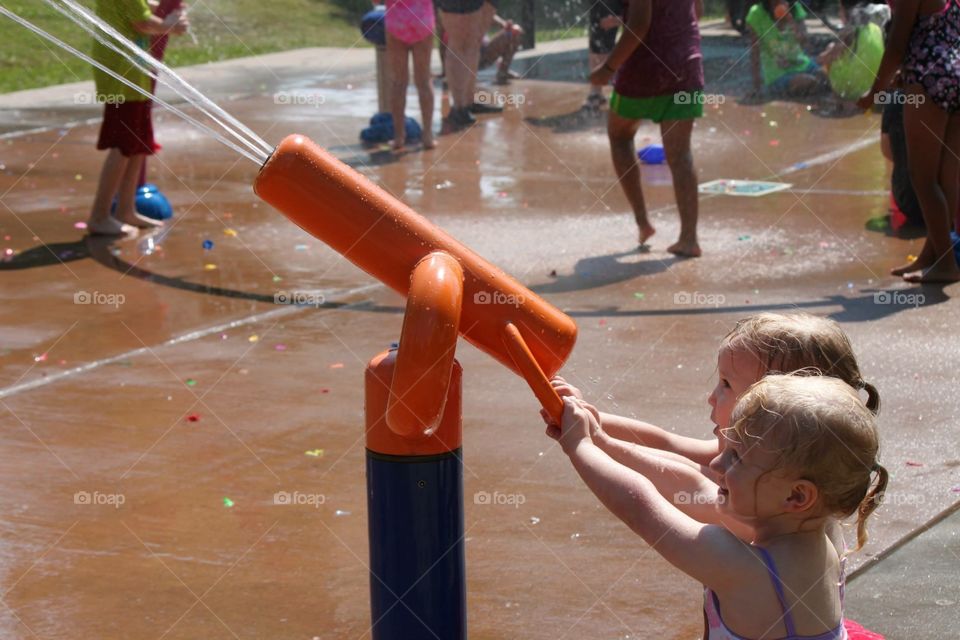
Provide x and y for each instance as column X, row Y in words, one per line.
column 387, row 239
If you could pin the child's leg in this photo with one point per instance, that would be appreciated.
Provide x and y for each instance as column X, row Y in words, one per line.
column 950, row 169
column 926, row 128
column 495, row 49
column 595, row 60
column 127, row 196
column 111, row 174
column 421, row 77
column 621, row 132
column 479, row 22
column 803, row 84
column 512, row 45
column 676, row 144
column 399, row 78
column 459, row 28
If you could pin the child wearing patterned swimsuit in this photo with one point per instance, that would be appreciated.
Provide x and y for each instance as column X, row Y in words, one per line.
column 410, row 31
column 924, row 44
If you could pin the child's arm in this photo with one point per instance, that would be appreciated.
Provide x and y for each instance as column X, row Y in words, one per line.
column 689, row 489
column 175, row 23
column 639, row 14
column 708, row 553
column 700, row 452
column 904, row 15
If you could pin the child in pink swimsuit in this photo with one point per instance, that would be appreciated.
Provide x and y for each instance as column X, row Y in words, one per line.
column 410, row 30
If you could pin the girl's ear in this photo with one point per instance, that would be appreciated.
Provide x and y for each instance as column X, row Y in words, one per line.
column 803, row 496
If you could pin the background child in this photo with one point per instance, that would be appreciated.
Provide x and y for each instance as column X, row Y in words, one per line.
column 500, row 48
column 925, row 44
column 604, row 21
column 778, row 63
column 662, row 81
column 852, row 61
column 410, row 25
column 127, row 129
column 779, row 471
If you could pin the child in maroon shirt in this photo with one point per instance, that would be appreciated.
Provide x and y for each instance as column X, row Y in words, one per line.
column 659, row 76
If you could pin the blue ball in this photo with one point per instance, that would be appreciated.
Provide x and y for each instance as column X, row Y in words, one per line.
column 372, row 27
column 152, row 203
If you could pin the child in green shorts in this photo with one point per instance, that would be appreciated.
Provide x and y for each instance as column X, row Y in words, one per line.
column 659, row 76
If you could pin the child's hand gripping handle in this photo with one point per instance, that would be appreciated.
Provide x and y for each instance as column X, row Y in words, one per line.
column 531, row 372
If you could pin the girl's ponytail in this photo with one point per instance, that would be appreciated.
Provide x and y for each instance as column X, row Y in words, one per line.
column 869, row 504
column 873, row 397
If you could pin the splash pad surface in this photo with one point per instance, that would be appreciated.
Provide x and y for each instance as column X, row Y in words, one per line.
column 199, row 388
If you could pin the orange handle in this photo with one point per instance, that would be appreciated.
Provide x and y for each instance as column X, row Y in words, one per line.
column 527, row 365
column 387, row 239
column 428, row 341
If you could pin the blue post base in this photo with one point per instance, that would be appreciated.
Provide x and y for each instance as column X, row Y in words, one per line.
column 417, row 568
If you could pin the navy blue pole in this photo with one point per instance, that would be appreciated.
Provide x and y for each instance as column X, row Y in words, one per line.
column 417, row 569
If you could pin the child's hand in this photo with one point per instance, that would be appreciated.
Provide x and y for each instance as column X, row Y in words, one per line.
column 601, row 75
column 866, row 100
column 177, row 23
column 564, row 388
column 610, row 22
column 579, row 419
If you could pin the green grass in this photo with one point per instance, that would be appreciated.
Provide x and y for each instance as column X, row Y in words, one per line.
column 228, row 29
column 224, row 29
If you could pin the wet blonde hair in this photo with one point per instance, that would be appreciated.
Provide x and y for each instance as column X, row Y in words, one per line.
column 785, row 343
column 822, row 431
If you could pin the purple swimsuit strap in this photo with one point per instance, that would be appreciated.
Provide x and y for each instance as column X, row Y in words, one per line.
column 778, row 587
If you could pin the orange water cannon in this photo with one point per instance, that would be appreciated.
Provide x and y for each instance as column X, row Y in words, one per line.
column 386, row 238
column 413, row 392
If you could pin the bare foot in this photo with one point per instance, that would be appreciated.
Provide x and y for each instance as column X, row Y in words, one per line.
column 936, row 273
column 685, row 249
column 429, row 142
column 646, row 232
column 399, row 146
column 141, row 222
column 922, row 262
column 109, row 226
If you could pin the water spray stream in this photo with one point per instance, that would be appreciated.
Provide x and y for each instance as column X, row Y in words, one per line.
column 155, row 75
column 153, row 62
column 258, row 159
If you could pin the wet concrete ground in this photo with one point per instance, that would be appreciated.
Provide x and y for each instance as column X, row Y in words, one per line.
column 195, row 391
